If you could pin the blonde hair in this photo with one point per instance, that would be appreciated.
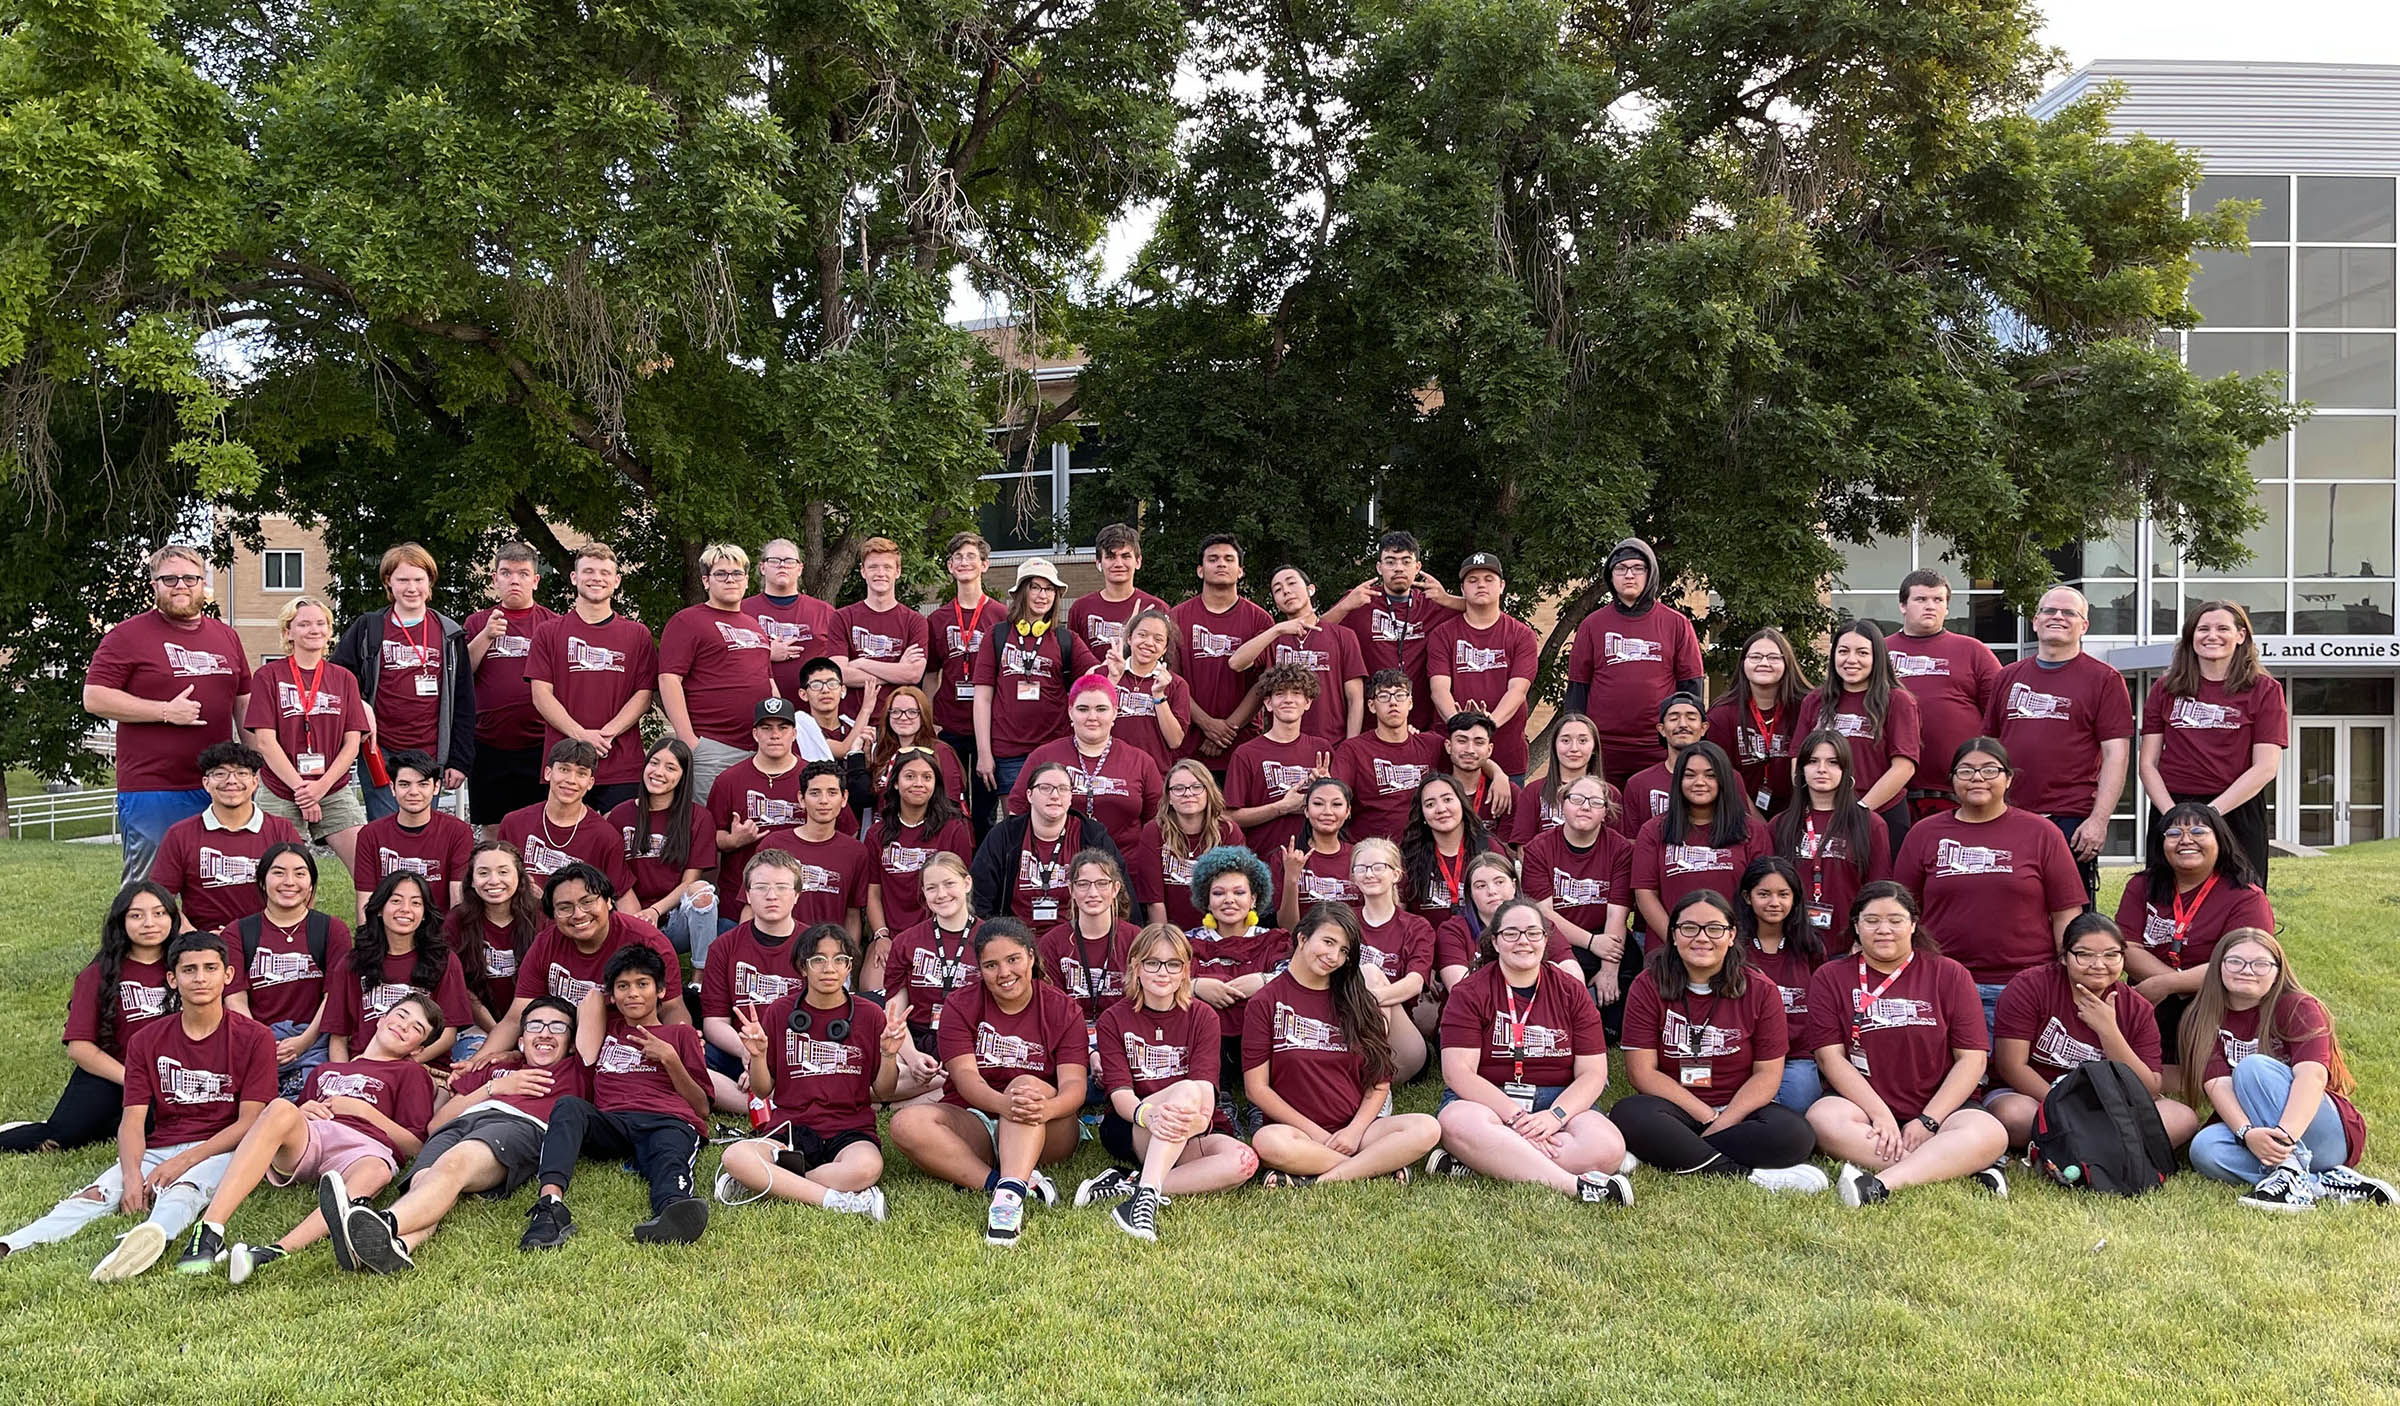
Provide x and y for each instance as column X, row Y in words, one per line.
column 720, row 553
column 596, row 551
column 292, row 608
column 1379, row 845
column 409, row 554
column 944, row 860
column 1149, row 940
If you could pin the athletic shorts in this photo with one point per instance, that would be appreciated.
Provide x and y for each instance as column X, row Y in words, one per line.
column 332, row 1147
column 805, row 1150
column 515, row 1142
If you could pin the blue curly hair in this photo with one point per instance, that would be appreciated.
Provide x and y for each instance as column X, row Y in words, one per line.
column 1227, row 859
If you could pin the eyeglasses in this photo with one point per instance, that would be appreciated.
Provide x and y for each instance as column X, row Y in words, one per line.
column 1989, row 771
column 767, row 889
column 827, row 961
column 1372, row 866
column 1051, row 788
column 2096, row 959
column 2058, row 612
column 2183, row 832
column 1586, row 800
column 1187, row 788
column 1161, row 966
column 729, row 576
column 230, row 773
column 1714, row 932
column 779, row 561
column 1391, row 695
column 824, row 681
column 546, row 1027
column 180, row 582
column 2251, row 964
column 1518, row 934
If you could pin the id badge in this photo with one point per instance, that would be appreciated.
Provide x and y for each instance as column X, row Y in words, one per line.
column 310, row 763
column 1820, row 917
column 935, row 1024
column 1045, row 910
column 1029, row 690
column 1695, row 1076
column 428, row 686
column 966, row 690
column 1858, row 1061
column 1091, row 1040
column 1762, row 799
column 1522, row 1095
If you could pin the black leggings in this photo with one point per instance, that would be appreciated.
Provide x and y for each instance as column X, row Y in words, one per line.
column 1668, row 1138
column 87, row 1111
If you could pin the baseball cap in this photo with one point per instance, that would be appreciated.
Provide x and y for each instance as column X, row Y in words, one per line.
column 1482, row 561
column 774, row 710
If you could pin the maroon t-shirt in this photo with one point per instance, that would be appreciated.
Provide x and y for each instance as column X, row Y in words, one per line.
column 2222, row 909
column 1139, row 703
column 2207, row 737
column 1672, row 870
column 1831, row 876
column 408, row 702
column 772, row 803
column 1760, row 744
column 1146, row 1050
column 1644, row 800
column 1458, row 944
column 880, row 635
column 310, row 715
column 1632, row 663
column 1292, row 1032
column 1481, row 663
column 1907, row 1035
column 504, row 715
column 594, row 670
column 806, row 622
column 1872, row 749
column 441, row 852
column 2039, row 1008
column 1537, row 814
column 946, row 764
column 554, row 966
column 1206, row 639
column 152, row 657
column 1159, row 877
column 1580, row 883
column 1951, row 677
column 284, row 980
column 213, row 872
column 1989, row 889
column 833, row 875
column 653, row 877
column 1261, row 770
column 1029, row 686
column 1042, row 1039
column 1559, row 1022
column 1331, row 653
column 1120, row 788
column 141, row 997
column 1708, row 1043
column 356, row 1012
column 953, row 641
column 721, row 656
column 824, row 1084
column 1790, row 971
column 2304, row 1016
column 1100, row 622
column 746, row 968
column 399, row 1089
column 1324, row 878
column 1396, row 948
column 1383, row 778
column 1226, row 956
column 568, row 1078
column 1043, row 880
column 930, row 964
column 896, row 864
column 1101, row 983
column 500, row 960
column 2053, row 721
column 195, row 1089
column 625, row 1080
column 548, row 848
column 1391, row 633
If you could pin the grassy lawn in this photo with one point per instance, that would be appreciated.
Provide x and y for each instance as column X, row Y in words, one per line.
column 1347, row 1294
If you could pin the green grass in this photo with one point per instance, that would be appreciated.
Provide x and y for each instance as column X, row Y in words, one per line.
column 1348, row 1294
column 26, row 784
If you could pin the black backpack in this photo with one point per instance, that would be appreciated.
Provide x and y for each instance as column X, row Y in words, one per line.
column 2098, row 1130
column 247, row 930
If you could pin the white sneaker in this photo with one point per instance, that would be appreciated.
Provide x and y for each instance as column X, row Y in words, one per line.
column 1041, row 1186
column 726, row 1189
column 1625, row 1168
column 1803, row 1180
column 139, row 1250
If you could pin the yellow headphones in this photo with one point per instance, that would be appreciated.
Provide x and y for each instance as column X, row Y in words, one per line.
column 1035, row 628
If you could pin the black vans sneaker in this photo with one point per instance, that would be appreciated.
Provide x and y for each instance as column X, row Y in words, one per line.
column 1860, row 1188
column 2349, row 1186
column 2282, row 1189
column 548, row 1223
column 375, row 1242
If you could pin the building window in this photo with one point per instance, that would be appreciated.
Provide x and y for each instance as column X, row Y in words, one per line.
column 280, row 570
column 1028, row 512
column 1868, row 588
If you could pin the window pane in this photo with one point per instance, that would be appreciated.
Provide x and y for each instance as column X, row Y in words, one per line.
column 2162, row 554
column 2215, row 354
column 2243, row 290
column 2345, row 287
column 2113, row 604
column 2265, row 541
column 2263, row 599
column 2346, row 209
column 2343, row 608
column 1877, row 606
column 1989, row 619
column 2109, row 556
column 1875, row 566
column 2342, row 529
column 2271, row 459
column 2327, row 695
column 2346, row 446
column 1019, row 518
column 2274, row 218
column 2164, row 622
column 2345, row 370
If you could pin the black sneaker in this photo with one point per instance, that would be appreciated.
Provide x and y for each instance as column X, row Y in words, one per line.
column 1137, row 1215
column 247, row 1260
column 2349, row 1186
column 1115, row 1184
column 333, row 1203
column 548, row 1223
column 679, row 1222
column 2282, row 1189
column 1994, row 1178
column 1441, row 1162
column 203, row 1252
column 1860, row 1188
column 375, row 1241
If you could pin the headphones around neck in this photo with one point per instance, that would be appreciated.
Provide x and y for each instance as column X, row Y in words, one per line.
column 836, row 1029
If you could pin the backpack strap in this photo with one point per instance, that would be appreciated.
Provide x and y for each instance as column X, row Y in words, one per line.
column 320, row 933
column 2108, row 1080
column 246, row 931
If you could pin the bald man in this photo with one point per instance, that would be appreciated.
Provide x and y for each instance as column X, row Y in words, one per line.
column 2067, row 722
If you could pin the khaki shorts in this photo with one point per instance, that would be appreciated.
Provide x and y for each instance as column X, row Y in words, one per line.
column 340, row 810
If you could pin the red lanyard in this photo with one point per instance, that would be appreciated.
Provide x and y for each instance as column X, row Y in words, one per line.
column 1814, row 850
column 2183, row 919
column 1766, row 724
column 1862, row 1000
column 308, row 689
column 424, row 627
column 1454, row 875
column 969, row 628
column 1516, row 1023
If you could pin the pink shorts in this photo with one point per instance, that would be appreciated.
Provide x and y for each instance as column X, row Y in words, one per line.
column 332, row 1147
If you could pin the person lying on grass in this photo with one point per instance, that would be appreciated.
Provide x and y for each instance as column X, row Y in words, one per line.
column 649, row 1102
column 194, row 1083
column 822, row 1058
column 486, row 1139
column 353, row 1123
column 1317, row 1061
column 1015, row 1050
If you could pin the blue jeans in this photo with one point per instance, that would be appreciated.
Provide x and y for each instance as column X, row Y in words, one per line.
column 1803, row 1083
column 1004, row 777
column 143, row 819
column 291, row 1078
column 1991, row 1006
column 2261, row 1083
column 468, row 1044
column 693, row 929
column 378, row 798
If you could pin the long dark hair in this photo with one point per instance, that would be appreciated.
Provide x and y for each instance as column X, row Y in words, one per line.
column 678, row 846
column 1795, row 683
column 1729, row 821
column 1418, row 865
column 462, row 926
column 1876, row 691
column 1849, row 818
column 116, row 944
column 1308, row 827
column 1552, row 786
column 2233, row 866
column 1354, row 1006
column 1665, row 964
column 1799, row 934
column 277, row 851
column 940, row 810
column 372, row 944
column 1920, row 940
column 2243, row 671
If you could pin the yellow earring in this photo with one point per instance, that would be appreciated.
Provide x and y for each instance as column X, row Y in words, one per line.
column 1209, row 921
column 1254, row 917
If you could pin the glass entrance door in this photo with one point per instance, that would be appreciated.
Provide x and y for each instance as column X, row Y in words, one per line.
column 2341, row 781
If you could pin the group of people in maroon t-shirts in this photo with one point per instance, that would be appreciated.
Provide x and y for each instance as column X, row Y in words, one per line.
column 1025, row 871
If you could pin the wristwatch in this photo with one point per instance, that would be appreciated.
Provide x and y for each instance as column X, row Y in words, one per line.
column 1932, row 1124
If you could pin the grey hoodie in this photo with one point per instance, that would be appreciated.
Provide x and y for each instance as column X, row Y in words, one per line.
column 1635, row 547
